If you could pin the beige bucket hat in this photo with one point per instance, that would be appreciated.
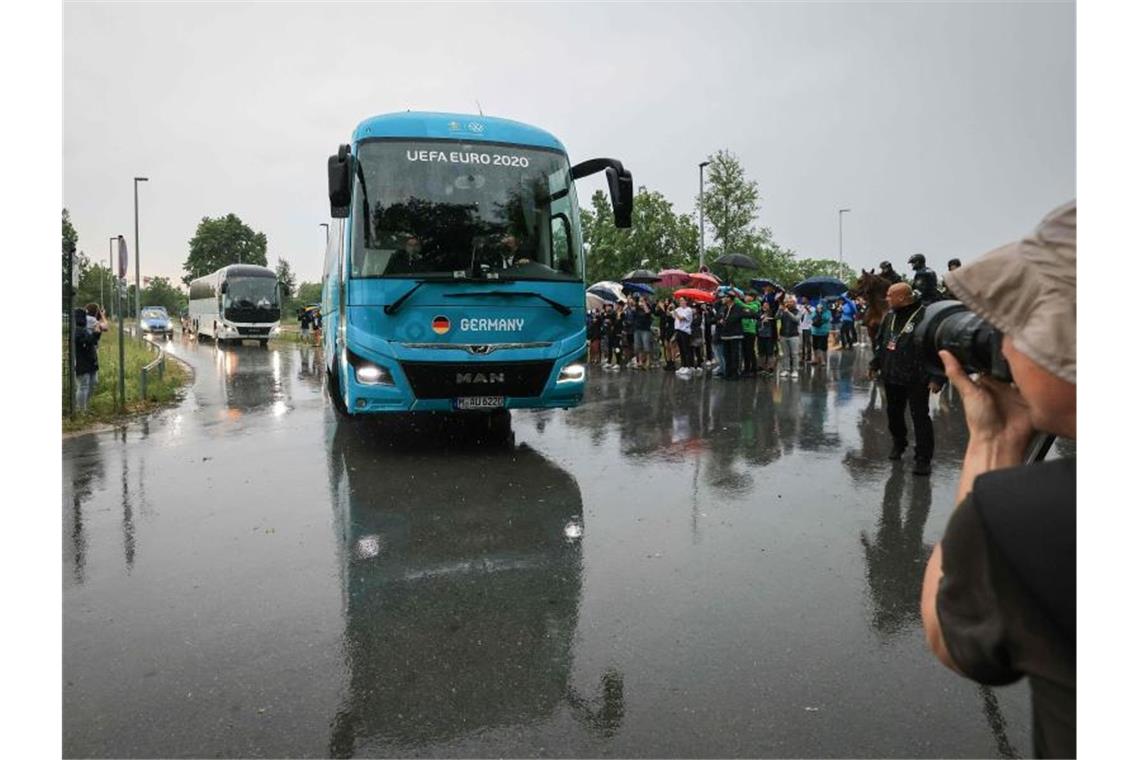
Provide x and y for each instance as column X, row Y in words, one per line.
column 1028, row 290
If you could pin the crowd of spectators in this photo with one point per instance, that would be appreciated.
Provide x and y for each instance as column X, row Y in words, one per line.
column 738, row 334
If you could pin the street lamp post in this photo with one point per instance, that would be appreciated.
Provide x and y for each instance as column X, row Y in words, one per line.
column 701, row 169
column 138, row 291
column 842, row 211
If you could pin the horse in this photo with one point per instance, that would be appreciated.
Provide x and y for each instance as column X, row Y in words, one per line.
column 873, row 289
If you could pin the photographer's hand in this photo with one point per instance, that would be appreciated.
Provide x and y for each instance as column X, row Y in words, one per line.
column 998, row 419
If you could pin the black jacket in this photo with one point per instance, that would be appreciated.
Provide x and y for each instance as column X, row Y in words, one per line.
column 86, row 351
column 897, row 356
column 926, row 283
column 730, row 323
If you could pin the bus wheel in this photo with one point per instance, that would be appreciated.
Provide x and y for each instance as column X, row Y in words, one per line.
column 332, row 383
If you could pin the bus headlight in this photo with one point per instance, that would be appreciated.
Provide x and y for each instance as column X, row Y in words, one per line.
column 372, row 374
column 572, row 373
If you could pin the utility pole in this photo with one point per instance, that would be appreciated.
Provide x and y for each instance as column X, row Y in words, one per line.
column 138, row 289
column 842, row 211
column 111, row 271
column 701, row 169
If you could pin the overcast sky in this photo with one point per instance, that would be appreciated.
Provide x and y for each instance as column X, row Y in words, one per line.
column 946, row 128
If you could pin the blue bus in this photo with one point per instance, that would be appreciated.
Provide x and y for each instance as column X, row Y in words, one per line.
column 454, row 277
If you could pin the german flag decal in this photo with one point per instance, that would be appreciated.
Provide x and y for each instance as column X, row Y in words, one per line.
column 441, row 325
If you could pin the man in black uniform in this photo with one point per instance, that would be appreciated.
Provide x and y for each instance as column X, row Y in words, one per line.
column 887, row 271
column 925, row 279
column 905, row 380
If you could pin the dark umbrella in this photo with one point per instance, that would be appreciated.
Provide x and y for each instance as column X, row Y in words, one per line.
column 636, row 287
column 738, row 260
column 641, row 275
column 820, row 286
column 760, row 282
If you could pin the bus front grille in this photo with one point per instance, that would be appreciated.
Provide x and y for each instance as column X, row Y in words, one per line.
column 457, row 379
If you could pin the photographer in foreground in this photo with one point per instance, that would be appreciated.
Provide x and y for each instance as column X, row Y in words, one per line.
column 999, row 596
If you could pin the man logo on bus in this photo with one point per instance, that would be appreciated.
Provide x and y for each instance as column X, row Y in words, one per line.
column 441, row 325
column 453, row 125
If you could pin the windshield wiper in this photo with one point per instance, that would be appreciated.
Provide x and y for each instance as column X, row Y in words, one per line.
column 393, row 307
column 561, row 308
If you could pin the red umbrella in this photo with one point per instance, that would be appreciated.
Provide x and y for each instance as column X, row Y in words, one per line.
column 694, row 294
column 704, row 280
column 673, row 278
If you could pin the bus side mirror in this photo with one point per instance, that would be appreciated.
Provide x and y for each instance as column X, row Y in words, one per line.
column 340, row 182
column 621, row 194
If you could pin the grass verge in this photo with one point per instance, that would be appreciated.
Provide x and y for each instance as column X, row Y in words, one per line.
column 102, row 408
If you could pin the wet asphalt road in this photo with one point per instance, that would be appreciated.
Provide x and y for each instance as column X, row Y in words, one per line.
column 675, row 568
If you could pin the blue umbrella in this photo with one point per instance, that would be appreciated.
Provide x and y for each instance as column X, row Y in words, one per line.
column 760, row 282
column 636, row 287
column 820, row 286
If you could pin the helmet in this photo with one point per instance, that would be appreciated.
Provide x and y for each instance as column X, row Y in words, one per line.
column 917, row 260
column 885, row 265
column 953, row 264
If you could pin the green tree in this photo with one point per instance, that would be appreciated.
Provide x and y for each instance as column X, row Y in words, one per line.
column 657, row 238
column 308, row 292
column 221, row 242
column 285, row 278
column 730, row 203
column 70, row 241
column 160, row 292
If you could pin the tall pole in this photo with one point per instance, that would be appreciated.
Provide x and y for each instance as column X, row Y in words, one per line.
column 120, row 282
column 70, row 289
column 842, row 211
column 701, row 170
column 111, row 271
column 138, row 290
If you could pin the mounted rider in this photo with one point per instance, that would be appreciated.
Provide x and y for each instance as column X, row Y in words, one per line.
column 925, row 279
column 887, row 272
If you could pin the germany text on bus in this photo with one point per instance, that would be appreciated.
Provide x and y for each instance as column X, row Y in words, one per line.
column 454, row 273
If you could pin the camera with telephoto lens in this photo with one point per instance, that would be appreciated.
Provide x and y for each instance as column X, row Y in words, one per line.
column 974, row 342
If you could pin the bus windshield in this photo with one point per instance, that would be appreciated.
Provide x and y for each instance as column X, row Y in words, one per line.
column 433, row 208
column 251, row 299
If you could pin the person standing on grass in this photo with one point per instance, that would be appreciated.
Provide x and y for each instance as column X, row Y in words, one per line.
column 86, row 360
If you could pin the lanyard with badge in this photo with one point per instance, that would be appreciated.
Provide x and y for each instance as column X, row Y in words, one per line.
column 906, row 328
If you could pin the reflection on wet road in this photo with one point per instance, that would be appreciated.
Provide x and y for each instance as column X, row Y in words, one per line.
column 675, row 568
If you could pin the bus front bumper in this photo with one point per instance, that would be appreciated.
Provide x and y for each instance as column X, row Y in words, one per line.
column 388, row 389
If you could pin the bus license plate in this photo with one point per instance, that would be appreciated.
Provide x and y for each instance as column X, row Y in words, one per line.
column 479, row 402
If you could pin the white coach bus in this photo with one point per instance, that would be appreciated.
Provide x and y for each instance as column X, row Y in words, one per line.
column 236, row 303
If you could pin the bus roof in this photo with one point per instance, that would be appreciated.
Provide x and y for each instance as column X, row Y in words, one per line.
column 455, row 126
column 247, row 270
